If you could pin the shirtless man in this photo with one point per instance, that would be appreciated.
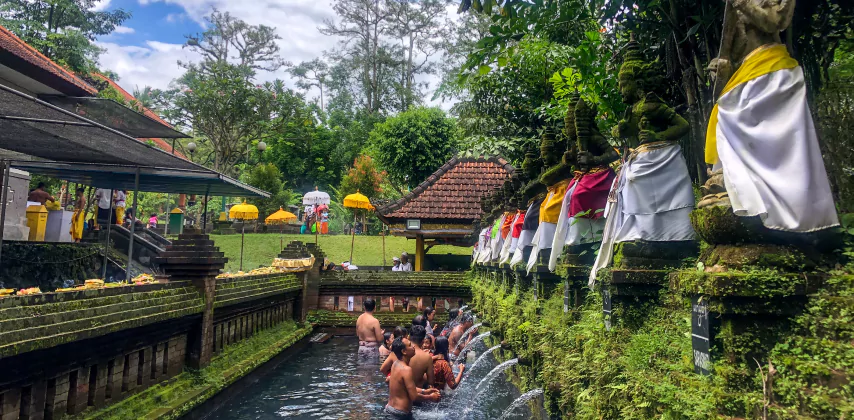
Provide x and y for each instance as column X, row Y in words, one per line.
column 457, row 335
column 369, row 332
column 402, row 391
column 422, row 363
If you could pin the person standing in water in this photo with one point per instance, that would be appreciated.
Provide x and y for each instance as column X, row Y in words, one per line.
column 402, row 392
column 369, row 332
column 457, row 338
column 421, row 364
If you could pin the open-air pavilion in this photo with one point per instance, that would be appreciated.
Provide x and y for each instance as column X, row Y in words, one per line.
column 444, row 208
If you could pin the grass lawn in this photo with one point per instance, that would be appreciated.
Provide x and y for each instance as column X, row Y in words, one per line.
column 260, row 249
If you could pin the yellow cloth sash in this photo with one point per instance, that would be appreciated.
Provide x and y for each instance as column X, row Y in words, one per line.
column 550, row 209
column 764, row 60
column 77, row 225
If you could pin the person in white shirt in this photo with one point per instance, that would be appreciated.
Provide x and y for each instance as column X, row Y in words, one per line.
column 405, row 265
column 396, row 266
column 105, row 206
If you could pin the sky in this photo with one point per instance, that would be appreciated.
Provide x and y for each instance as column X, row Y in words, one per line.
column 145, row 50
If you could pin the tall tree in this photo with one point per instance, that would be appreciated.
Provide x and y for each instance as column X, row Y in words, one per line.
column 413, row 144
column 62, row 30
column 362, row 26
column 420, row 26
column 311, row 74
column 231, row 40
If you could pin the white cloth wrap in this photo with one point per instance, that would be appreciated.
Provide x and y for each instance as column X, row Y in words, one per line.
column 572, row 231
column 654, row 200
column 767, row 143
column 497, row 242
column 508, row 243
column 525, row 239
column 542, row 240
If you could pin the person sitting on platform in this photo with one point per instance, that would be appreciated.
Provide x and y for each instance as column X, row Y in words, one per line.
column 405, row 265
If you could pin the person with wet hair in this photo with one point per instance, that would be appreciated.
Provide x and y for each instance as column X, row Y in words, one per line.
column 443, row 375
column 402, row 392
column 429, row 315
column 369, row 332
column 456, row 340
column 385, row 349
column 453, row 314
column 399, row 332
column 422, row 363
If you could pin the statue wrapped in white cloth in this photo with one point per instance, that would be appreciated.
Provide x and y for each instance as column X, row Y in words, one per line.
column 761, row 136
column 651, row 198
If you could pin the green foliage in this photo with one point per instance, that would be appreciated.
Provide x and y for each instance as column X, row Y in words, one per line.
column 413, row 144
column 268, row 177
column 62, row 30
column 363, row 177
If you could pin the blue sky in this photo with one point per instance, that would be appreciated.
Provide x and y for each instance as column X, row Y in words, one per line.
column 145, row 50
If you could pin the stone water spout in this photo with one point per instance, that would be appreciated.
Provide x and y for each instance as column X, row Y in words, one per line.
column 523, row 399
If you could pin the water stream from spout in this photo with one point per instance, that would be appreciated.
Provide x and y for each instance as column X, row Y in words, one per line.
column 495, row 372
column 478, row 339
column 479, row 359
column 523, row 399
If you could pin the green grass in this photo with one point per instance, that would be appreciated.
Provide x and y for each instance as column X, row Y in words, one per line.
column 260, row 249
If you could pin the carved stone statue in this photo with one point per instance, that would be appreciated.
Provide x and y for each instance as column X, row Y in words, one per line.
column 652, row 197
column 556, row 178
column 581, row 220
column 762, row 140
column 533, row 194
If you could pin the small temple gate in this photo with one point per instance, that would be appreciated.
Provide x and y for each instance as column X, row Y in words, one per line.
column 444, row 208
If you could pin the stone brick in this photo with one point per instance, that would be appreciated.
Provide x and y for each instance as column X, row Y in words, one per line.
column 56, row 403
column 100, row 389
column 144, row 378
column 78, row 391
column 114, row 383
column 11, row 404
column 131, row 369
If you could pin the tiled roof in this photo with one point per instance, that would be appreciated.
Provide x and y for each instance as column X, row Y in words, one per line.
column 452, row 192
column 163, row 144
column 11, row 44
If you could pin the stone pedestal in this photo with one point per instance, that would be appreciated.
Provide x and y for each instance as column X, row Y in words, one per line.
column 193, row 257
column 640, row 270
column 747, row 285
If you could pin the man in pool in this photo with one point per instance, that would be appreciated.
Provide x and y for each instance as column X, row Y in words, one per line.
column 402, row 391
column 422, row 363
column 369, row 332
column 452, row 322
column 457, row 338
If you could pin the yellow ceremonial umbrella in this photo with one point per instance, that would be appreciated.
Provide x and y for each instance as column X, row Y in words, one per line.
column 243, row 212
column 356, row 201
column 280, row 218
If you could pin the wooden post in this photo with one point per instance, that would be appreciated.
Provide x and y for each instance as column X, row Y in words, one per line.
column 353, row 233
column 419, row 253
column 382, row 232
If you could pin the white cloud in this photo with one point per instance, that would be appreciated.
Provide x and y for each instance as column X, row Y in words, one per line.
column 123, row 30
column 100, row 5
column 155, row 64
column 296, row 22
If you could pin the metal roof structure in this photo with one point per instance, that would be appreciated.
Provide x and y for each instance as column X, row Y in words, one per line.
column 151, row 179
column 114, row 115
column 42, row 138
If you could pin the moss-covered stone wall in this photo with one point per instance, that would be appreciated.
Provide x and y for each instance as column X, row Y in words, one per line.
column 48, row 265
column 643, row 366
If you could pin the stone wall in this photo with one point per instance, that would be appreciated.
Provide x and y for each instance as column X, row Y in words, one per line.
column 69, row 352
column 48, row 265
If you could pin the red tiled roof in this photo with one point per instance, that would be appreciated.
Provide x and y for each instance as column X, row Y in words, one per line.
column 163, row 144
column 13, row 45
column 452, row 192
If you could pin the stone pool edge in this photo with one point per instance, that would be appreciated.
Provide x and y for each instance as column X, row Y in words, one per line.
column 188, row 390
